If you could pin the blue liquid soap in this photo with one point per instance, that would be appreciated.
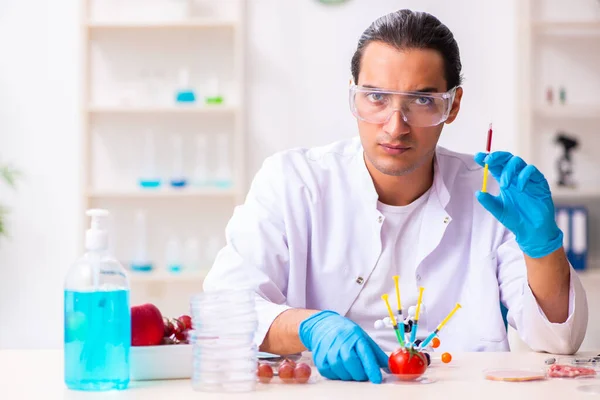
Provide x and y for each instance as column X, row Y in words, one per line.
column 149, row 183
column 97, row 340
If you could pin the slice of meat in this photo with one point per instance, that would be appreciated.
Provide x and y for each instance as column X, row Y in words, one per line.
column 569, row 371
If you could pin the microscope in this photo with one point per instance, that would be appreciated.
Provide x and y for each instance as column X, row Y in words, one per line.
column 564, row 163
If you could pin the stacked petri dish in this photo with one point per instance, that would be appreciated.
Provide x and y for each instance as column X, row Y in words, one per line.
column 225, row 356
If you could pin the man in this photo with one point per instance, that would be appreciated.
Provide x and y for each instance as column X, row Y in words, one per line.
column 323, row 230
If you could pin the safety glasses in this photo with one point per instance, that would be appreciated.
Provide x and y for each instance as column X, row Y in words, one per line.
column 417, row 109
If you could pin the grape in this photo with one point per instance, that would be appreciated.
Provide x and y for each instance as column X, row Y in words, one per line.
column 264, row 373
column 302, row 373
column 169, row 328
column 291, row 362
column 286, row 372
column 186, row 321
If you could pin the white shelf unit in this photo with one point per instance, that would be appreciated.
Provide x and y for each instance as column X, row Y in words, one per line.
column 123, row 110
column 100, row 117
column 569, row 27
column 582, row 111
column 559, row 47
column 197, row 23
column 576, row 193
column 163, row 277
column 161, row 193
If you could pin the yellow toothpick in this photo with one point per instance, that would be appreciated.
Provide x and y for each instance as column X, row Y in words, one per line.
column 485, row 178
column 421, row 289
column 395, row 277
column 394, row 323
column 488, row 148
column 385, row 297
column 455, row 309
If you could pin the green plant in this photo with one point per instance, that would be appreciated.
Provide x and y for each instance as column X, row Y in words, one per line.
column 9, row 175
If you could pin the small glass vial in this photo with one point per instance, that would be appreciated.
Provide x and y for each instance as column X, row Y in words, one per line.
column 192, row 259
column 213, row 95
column 97, row 316
column 185, row 93
column 173, row 255
column 222, row 176
column 149, row 177
column 549, row 96
column 201, row 170
column 178, row 179
column 563, row 95
column 141, row 261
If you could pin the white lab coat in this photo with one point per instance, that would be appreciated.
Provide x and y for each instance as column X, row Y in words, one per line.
column 308, row 236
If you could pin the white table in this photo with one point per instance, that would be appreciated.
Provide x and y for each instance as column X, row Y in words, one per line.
column 38, row 374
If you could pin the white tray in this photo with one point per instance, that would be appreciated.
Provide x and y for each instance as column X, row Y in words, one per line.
column 171, row 361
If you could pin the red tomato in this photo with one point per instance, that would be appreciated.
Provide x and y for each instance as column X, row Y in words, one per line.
column 407, row 364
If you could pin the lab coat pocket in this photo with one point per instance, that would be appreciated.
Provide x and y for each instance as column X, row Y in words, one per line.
column 484, row 301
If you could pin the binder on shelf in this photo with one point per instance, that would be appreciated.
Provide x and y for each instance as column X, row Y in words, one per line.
column 573, row 221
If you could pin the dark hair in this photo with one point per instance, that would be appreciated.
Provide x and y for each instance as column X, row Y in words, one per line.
column 406, row 29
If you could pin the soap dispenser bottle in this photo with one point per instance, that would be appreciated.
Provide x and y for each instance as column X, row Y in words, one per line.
column 97, row 316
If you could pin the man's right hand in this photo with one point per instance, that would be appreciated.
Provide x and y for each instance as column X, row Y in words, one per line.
column 341, row 349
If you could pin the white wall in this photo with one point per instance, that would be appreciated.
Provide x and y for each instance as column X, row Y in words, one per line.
column 299, row 67
column 39, row 133
column 298, row 70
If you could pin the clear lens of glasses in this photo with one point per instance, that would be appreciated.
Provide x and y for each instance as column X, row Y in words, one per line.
column 417, row 109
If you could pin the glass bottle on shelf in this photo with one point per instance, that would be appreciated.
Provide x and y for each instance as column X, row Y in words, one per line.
column 149, row 177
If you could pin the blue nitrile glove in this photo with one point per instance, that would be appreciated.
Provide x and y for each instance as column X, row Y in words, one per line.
column 524, row 204
column 341, row 349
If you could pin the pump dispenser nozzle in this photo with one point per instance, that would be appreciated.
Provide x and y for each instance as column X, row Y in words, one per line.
column 96, row 238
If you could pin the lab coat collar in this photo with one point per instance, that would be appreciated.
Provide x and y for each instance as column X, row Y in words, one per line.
column 367, row 186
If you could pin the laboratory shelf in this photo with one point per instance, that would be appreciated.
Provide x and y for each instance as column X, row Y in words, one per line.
column 166, row 277
column 197, row 23
column 192, row 109
column 162, row 193
column 571, row 111
column 577, row 28
column 575, row 193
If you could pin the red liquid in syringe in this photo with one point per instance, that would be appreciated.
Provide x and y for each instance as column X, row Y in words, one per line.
column 488, row 147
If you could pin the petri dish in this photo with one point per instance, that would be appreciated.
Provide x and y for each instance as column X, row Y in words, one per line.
column 423, row 379
column 514, row 375
column 591, row 389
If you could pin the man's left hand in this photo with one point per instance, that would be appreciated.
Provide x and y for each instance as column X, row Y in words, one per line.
column 524, row 205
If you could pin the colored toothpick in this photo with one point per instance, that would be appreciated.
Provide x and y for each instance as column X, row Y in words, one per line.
column 394, row 323
column 440, row 326
column 488, row 148
column 413, row 332
column 395, row 277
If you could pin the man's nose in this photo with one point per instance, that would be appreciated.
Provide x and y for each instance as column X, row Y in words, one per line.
column 396, row 126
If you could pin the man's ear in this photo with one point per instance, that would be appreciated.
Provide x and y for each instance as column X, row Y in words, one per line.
column 455, row 105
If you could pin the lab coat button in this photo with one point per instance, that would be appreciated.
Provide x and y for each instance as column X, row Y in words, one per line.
column 446, row 220
column 380, row 219
column 360, row 280
column 418, row 277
